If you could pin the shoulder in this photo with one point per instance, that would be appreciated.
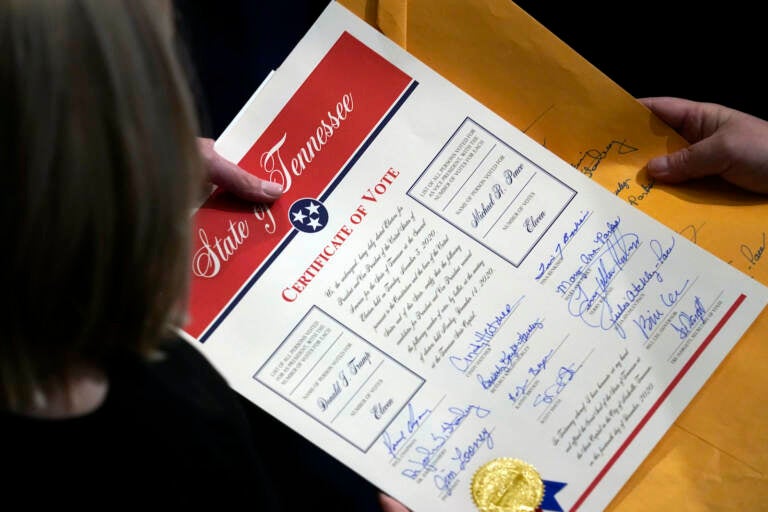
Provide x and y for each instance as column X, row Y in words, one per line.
column 173, row 421
column 179, row 382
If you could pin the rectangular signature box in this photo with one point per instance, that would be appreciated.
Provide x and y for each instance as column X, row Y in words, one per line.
column 491, row 192
column 339, row 379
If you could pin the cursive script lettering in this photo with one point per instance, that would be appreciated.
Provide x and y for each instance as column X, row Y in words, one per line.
column 207, row 260
column 483, row 338
column 685, row 322
column 753, row 255
column 279, row 171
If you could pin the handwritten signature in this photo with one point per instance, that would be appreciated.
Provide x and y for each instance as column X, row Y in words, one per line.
column 445, row 478
column 391, row 442
column 587, row 258
column 622, row 185
column 521, row 388
column 436, row 441
column 557, row 253
column 460, row 414
column 508, row 356
column 753, row 256
column 565, row 375
column 592, row 158
column 609, row 314
column 686, row 321
column 648, row 320
column 483, row 338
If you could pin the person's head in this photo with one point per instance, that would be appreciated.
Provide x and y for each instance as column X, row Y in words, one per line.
column 100, row 173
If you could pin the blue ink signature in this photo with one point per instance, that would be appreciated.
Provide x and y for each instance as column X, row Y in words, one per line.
column 483, row 338
column 558, row 252
column 520, row 389
column 444, row 479
column 586, row 258
column 425, row 463
column 509, row 355
column 582, row 301
column 564, row 376
column 414, row 422
column 685, row 322
column 648, row 321
column 541, row 365
column 459, row 414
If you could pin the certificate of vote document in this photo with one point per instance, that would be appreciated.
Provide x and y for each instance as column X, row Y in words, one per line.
column 437, row 300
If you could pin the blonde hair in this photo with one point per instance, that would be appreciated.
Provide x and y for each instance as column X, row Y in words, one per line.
column 100, row 170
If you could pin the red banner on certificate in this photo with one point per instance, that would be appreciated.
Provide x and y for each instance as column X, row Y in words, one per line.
column 322, row 127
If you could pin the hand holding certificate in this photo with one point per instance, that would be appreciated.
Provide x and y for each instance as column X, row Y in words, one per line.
column 440, row 302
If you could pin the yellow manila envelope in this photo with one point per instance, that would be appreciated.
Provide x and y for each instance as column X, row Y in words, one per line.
column 716, row 456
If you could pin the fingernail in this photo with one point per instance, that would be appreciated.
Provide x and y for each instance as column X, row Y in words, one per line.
column 272, row 189
column 658, row 167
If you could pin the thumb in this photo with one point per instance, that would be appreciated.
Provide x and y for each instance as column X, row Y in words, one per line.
column 231, row 177
column 696, row 161
column 240, row 182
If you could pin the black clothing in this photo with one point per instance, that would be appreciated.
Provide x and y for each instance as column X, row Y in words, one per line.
column 173, row 432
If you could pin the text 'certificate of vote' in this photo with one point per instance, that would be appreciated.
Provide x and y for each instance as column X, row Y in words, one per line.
column 437, row 300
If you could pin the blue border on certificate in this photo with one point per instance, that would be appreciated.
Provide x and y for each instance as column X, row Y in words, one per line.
column 396, row 412
column 516, row 263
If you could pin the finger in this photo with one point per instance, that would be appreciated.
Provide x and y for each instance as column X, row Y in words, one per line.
column 229, row 176
column 232, row 178
column 693, row 120
column 389, row 504
column 696, row 161
column 673, row 111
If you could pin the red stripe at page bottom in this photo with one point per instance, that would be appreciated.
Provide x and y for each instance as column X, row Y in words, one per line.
column 664, row 395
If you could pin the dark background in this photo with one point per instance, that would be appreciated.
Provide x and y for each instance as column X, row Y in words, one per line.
column 234, row 44
column 702, row 52
column 708, row 53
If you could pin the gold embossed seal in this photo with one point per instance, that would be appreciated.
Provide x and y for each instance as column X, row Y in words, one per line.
column 507, row 485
